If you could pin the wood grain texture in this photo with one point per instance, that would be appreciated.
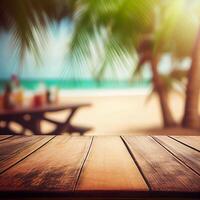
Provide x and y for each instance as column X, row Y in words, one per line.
column 109, row 166
column 187, row 155
column 54, row 167
column 192, row 141
column 3, row 137
column 161, row 169
column 16, row 148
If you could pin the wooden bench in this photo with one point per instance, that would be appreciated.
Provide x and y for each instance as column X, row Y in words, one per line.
column 31, row 118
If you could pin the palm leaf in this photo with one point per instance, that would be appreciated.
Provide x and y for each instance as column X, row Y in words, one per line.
column 115, row 17
column 28, row 19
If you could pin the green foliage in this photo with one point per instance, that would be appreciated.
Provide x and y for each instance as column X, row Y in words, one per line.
column 130, row 23
column 27, row 20
column 113, row 29
column 123, row 22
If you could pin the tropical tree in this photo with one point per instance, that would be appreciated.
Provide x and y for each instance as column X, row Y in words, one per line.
column 149, row 28
column 174, row 38
column 27, row 20
column 191, row 114
column 147, row 55
column 132, row 26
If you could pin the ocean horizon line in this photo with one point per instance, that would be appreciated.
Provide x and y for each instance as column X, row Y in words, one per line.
column 82, row 84
column 105, row 92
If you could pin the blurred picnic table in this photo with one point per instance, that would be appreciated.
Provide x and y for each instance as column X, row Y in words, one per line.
column 30, row 118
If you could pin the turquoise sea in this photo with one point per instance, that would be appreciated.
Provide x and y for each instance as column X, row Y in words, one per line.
column 82, row 84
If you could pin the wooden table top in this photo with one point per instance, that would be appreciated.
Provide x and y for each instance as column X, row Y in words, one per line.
column 116, row 166
column 39, row 109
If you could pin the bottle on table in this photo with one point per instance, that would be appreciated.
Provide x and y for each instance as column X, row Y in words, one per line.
column 54, row 95
column 7, row 97
column 1, row 101
column 40, row 98
column 19, row 97
column 17, row 91
column 48, row 96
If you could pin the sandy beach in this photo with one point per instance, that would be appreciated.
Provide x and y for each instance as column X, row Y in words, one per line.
column 122, row 114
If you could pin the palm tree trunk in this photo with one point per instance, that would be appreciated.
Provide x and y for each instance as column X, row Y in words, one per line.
column 191, row 115
column 162, row 94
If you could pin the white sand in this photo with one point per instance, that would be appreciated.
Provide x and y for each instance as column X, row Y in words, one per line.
column 120, row 113
column 123, row 113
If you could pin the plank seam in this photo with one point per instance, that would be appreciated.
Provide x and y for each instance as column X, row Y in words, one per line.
column 176, row 157
column 84, row 161
column 6, row 138
column 27, row 146
column 27, row 155
column 184, row 143
column 136, row 162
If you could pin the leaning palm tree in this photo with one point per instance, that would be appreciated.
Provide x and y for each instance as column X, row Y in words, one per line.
column 147, row 55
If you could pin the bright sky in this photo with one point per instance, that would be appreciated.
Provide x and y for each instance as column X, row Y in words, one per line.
column 54, row 64
column 52, row 56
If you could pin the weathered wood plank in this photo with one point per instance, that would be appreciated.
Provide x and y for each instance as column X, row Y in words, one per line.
column 161, row 169
column 187, row 155
column 54, row 167
column 16, row 148
column 192, row 141
column 109, row 166
column 4, row 137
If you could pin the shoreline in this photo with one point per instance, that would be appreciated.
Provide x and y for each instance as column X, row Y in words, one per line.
column 104, row 92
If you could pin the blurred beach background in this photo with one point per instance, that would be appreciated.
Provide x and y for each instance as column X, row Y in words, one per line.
column 120, row 103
